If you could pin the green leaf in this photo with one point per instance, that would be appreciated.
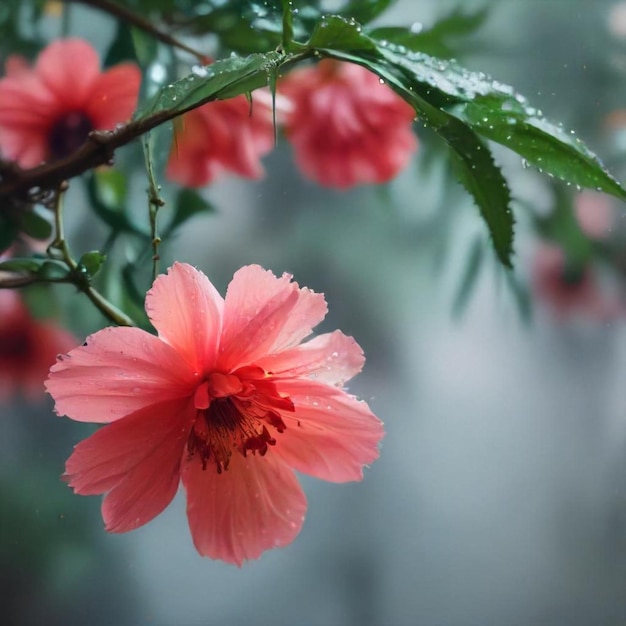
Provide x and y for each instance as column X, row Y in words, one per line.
column 473, row 162
column 335, row 33
column 92, row 262
column 493, row 109
column 223, row 79
column 145, row 46
column 35, row 225
column 365, row 11
column 47, row 269
column 187, row 204
column 541, row 143
column 107, row 194
column 436, row 40
column 8, row 231
column 28, row 265
column 468, row 282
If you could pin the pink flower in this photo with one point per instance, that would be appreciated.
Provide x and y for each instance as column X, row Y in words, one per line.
column 46, row 112
column 226, row 399
column 594, row 213
column 346, row 127
column 28, row 347
column 568, row 291
column 224, row 135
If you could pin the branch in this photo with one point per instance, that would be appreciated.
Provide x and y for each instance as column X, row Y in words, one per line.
column 128, row 16
column 97, row 150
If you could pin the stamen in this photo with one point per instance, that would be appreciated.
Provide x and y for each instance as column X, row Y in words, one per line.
column 238, row 422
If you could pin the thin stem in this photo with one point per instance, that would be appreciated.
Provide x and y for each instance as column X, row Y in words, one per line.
column 138, row 21
column 108, row 309
column 155, row 202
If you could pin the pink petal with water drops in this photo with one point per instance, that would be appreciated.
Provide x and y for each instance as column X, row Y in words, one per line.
column 117, row 372
column 332, row 358
column 330, row 435
column 135, row 461
column 256, row 505
column 187, row 310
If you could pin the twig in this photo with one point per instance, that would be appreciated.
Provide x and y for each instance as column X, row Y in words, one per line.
column 102, row 304
column 138, row 21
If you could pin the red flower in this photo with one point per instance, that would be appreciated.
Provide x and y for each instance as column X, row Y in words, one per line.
column 225, row 135
column 28, row 347
column 47, row 112
column 346, row 127
column 226, row 398
column 568, row 291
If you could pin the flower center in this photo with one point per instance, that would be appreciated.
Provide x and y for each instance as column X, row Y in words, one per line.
column 15, row 345
column 235, row 416
column 68, row 134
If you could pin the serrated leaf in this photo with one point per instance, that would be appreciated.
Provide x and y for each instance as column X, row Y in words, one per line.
column 492, row 109
column 475, row 167
column 223, row 79
column 541, row 143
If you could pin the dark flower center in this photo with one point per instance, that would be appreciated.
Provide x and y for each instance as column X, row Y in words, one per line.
column 68, row 134
column 15, row 345
column 238, row 422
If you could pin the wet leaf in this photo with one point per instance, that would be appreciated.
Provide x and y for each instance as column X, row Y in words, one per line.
column 221, row 80
column 541, row 143
column 92, row 262
column 364, row 11
column 440, row 40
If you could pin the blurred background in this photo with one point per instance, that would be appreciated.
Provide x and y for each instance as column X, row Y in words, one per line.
column 499, row 496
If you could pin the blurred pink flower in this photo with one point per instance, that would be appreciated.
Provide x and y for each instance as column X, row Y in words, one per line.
column 224, row 135
column 594, row 213
column 28, row 347
column 226, row 398
column 46, row 112
column 347, row 128
column 567, row 291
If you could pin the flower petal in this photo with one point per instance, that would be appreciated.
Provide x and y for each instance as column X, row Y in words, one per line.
column 263, row 313
column 117, row 371
column 332, row 358
column 255, row 505
column 331, row 435
column 114, row 95
column 186, row 309
column 68, row 67
column 137, row 460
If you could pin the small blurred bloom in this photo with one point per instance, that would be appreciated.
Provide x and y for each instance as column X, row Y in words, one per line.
column 569, row 291
column 224, row 135
column 347, row 128
column 594, row 213
column 28, row 347
column 47, row 111
column 226, row 399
